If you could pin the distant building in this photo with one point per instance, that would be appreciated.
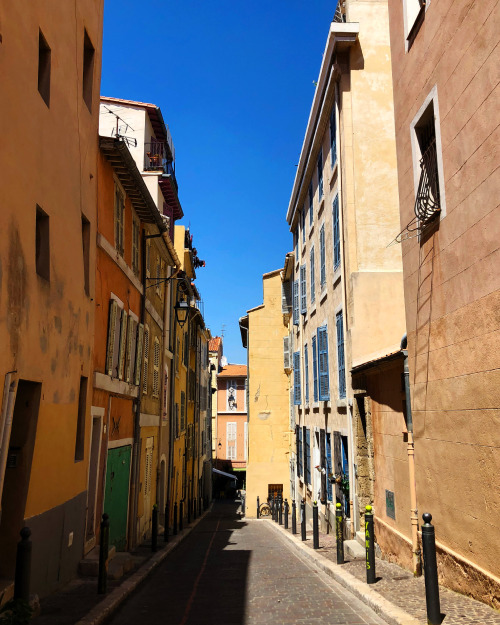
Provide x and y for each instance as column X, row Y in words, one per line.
column 215, row 351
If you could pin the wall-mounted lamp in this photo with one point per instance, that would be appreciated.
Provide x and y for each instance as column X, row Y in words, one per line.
column 181, row 310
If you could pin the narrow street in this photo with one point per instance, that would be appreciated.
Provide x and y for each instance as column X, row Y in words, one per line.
column 232, row 572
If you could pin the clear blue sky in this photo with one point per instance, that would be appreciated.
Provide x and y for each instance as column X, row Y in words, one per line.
column 234, row 81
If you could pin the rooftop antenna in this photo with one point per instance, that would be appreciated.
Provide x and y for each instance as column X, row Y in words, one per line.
column 119, row 131
column 223, row 330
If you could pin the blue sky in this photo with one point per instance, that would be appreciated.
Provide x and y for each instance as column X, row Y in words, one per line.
column 234, row 81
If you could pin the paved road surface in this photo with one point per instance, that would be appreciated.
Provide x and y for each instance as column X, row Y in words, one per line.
column 232, row 572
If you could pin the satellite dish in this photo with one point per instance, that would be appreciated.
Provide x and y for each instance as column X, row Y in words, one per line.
column 223, row 361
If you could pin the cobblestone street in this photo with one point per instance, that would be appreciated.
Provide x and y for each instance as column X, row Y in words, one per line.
column 233, row 572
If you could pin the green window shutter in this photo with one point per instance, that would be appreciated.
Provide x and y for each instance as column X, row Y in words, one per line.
column 113, row 315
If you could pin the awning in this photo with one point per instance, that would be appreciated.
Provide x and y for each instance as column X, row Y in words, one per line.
column 233, row 477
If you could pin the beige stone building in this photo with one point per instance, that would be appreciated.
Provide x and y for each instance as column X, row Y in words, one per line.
column 445, row 64
column 347, row 293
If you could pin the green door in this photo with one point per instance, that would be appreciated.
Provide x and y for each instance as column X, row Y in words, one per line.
column 116, row 495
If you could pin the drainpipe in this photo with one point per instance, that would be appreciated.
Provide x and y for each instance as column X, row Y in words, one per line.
column 172, row 407
column 417, row 564
column 6, row 415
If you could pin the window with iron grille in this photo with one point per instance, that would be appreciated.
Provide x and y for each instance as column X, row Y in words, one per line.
column 306, row 372
column 320, row 174
column 322, row 257
column 336, row 233
column 428, row 200
column 296, row 303
column 311, row 274
column 303, row 290
column 340, row 353
column 296, row 379
column 324, row 382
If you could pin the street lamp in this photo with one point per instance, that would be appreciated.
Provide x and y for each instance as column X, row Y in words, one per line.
column 181, row 310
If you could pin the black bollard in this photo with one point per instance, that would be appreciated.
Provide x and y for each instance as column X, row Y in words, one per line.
column 167, row 521
column 102, row 582
column 303, row 519
column 23, row 566
column 294, row 517
column 430, row 571
column 280, row 511
column 175, row 519
column 181, row 515
column 370, row 546
column 258, row 507
column 154, row 529
column 286, row 513
column 315, row 525
column 339, row 533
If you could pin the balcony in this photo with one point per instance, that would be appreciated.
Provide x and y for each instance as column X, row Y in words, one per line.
column 156, row 158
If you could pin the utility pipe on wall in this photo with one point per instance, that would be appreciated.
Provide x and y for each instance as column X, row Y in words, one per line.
column 417, row 563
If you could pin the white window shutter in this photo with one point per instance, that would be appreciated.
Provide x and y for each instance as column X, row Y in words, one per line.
column 123, row 344
column 113, row 313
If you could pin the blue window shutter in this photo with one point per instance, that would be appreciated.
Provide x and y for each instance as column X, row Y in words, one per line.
column 296, row 303
column 311, row 207
column 296, row 379
column 329, row 467
column 308, row 456
column 315, row 370
column 322, row 261
column 313, row 294
column 306, row 372
column 303, row 290
column 340, row 354
column 336, row 233
column 333, row 136
column 324, row 382
column 320, row 174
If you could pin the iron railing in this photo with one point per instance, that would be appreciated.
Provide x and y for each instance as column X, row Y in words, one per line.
column 339, row 16
column 427, row 203
column 155, row 158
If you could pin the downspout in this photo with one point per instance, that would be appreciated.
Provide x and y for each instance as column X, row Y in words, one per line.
column 417, row 564
column 173, row 323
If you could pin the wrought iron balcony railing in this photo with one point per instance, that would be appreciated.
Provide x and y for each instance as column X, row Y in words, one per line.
column 155, row 158
column 427, row 202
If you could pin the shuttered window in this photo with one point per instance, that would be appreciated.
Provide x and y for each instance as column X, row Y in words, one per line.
column 156, row 368
column 136, row 229
column 183, row 411
column 306, row 372
column 286, row 352
column 311, row 207
column 336, row 233
column 138, row 354
column 146, row 361
column 323, row 377
column 329, row 469
column 296, row 379
column 148, row 470
column 333, row 136
column 296, row 303
column 320, row 175
column 298, row 435
column 112, row 323
column 307, row 455
column 123, row 345
column 322, row 260
column 286, row 296
column 303, row 290
column 340, row 353
column 311, row 274
column 231, row 450
column 130, row 351
column 315, row 369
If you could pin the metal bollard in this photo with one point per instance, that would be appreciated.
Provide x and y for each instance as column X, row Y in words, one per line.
column 339, row 533
column 167, row 520
column 315, row 525
column 258, row 507
column 23, row 566
column 280, row 511
column 181, row 515
column 102, row 582
column 303, row 519
column 286, row 513
column 430, row 571
column 154, row 529
column 370, row 546
column 294, row 517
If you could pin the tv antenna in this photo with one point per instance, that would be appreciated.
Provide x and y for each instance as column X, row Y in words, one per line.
column 223, row 330
column 120, row 130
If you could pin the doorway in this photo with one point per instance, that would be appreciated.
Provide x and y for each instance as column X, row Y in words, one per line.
column 117, row 494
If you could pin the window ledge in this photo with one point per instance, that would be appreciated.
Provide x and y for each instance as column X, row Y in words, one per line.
column 323, row 295
column 312, row 308
column 342, row 403
column 321, row 205
column 311, row 230
column 337, row 274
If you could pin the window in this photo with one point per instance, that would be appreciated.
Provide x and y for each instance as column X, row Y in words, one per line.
column 157, row 275
column 296, row 244
column 120, row 364
column 322, row 261
column 339, row 317
column 131, row 347
column 286, row 352
column 298, row 436
column 80, row 424
column 296, row 303
column 177, row 425
column 136, row 228
column 333, row 136
column 311, row 273
column 303, row 290
column 315, row 369
column 42, row 244
column 44, row 61
column 138, row 353
column 183, row 411
column 303, row 224
column 320, row 175
column 86, row 253
column 336, row 233
column 306, row 372
column 119, row 219
column 88, row 70
column 146, row 361
column 114, row 333
column 323, row 377
column 329, row 469
column 414, row 13
column 296, row 379
column 307, row 455
column 156, row 368
column 311, row 206
column 286, row 297
column 231, row 395
column 148, row 259
column 231, row 449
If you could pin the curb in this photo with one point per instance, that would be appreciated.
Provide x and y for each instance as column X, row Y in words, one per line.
column 105, row 608
column 381, row 606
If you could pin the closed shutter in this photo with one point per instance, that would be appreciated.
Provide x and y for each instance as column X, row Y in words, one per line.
column 286, row 297
column 340, row 353
column 324, row 382
column 156, row 368
column 296, row 303
column 183, row 411
column 113, row 315
column 138, row 353
column 130, row 344
column 286, row 352
column 322, row 462
column 231, row 441
column 298, row 436
column 336, row 233
column 322, row 261
column 307, row 456
column 146, row 361
column 329, row 469
column 311, row 273
column 306, row 372
column 123, row 344
column 315, row 369
column 337, row 459
column 296, row 379
column 303, row 290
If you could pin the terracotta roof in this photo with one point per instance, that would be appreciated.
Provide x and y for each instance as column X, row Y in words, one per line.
column 214, row 344
column 233, row 371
